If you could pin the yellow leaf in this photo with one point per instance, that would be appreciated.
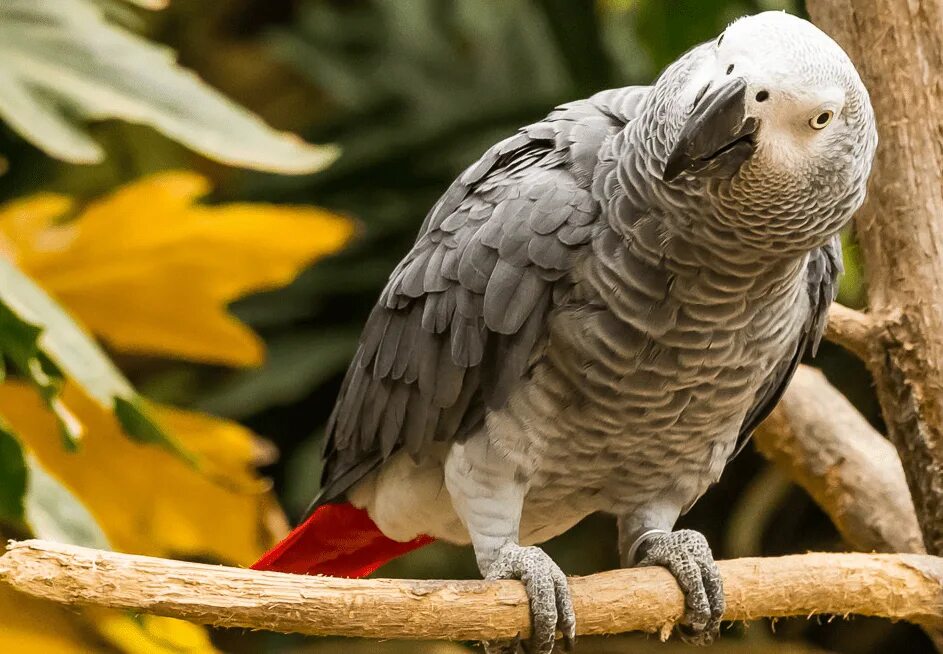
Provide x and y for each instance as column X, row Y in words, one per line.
column 32, row 626
column 25, row 221
column 151, row 272
column 150, row 634
column 145, row 499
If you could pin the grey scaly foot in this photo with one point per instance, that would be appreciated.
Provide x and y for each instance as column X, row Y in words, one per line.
column 549, row 595
column 688, row 557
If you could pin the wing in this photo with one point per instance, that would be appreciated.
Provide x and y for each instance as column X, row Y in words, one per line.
column 461, row 315
column 822, row 273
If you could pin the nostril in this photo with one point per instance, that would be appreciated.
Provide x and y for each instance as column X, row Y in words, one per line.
column 729, row 69
column 762, row 96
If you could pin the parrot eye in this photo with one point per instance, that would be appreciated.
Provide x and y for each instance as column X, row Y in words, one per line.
column 822, row 120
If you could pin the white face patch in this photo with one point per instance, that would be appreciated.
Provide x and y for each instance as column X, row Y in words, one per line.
column 797, row 78
column 773, row 122
column 779, row 41
column 792, row 128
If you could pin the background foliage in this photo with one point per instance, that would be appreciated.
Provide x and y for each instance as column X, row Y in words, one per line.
column 147, row 243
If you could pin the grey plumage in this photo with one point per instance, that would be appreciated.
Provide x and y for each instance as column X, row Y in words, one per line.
column 493, row 252
column 597, row 313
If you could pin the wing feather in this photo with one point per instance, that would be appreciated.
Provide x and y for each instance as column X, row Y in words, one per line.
column 822, row 273
column 457, row 325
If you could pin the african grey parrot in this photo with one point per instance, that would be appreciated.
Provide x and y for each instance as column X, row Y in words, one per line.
column 595, row 316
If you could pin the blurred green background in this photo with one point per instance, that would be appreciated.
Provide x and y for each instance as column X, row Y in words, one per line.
column 413, row 91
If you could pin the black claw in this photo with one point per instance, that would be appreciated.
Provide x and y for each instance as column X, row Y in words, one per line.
column 569, row 637
column 691, row 636
column 569, row 642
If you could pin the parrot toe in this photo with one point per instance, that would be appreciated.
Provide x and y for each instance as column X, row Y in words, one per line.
column 686, row 554
column 550, row 604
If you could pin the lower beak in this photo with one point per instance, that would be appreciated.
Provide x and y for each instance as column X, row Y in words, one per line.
column 717, row 137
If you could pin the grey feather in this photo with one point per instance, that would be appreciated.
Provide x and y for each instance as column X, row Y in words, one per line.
column 390, row 343
column 468, row 342
column 393, row 418
column 514, row 355
column 488, row 261
column 434, row 281
column 449, row 378
column 408, row 341
column 549, row 252
column 476, row 266
column 822, row 273
column 500, row 316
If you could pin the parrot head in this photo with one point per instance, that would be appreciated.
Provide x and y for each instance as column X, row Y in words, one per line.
column 772, row 118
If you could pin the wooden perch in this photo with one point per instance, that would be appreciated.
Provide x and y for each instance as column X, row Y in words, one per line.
column 851, row 329
column 820, row 440
column 900, row 587
column 853, row 473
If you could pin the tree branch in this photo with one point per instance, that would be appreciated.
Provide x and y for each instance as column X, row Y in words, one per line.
column 898, row 47
column 821, row 441
column 851, row 471
column 899, row 587
column 851, row 329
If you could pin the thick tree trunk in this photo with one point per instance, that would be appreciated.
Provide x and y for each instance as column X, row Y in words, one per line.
column 897, row 46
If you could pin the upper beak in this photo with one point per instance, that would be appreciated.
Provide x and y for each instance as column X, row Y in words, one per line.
column 716, row 137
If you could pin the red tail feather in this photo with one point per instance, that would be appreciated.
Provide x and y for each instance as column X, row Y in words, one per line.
column 339, row 540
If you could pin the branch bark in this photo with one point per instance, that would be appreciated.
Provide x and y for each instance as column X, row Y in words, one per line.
column 900, row 587
column 851, row 329
column 851, row 471
column 821, row 441
column 898, row 48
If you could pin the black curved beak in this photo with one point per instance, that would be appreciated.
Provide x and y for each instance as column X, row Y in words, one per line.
column 717, row 138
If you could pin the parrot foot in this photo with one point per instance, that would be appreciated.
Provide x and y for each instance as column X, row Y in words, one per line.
column 549, row 595
column 687, row 556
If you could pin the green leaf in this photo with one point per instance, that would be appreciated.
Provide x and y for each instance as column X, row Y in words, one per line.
column 852, row 291
column 61, row 61
column 19, row 341
column 46, row 346
column 303, row 474
column 52, row 512
column 30, row 496
column 12, row 476
column 295, row 364
column 136, row 423
column 35, row 327
column 664, row 37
